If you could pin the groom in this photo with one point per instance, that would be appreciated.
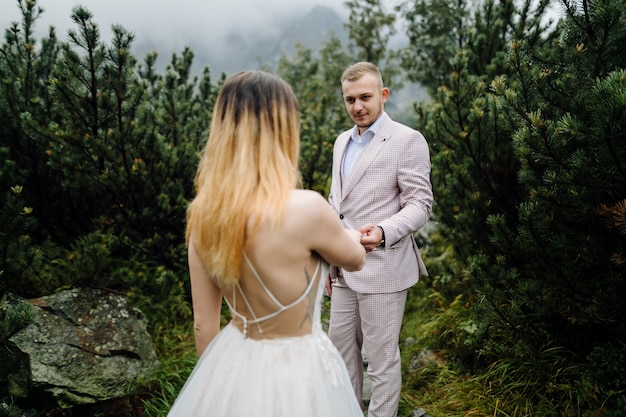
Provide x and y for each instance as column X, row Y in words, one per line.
column 381, row 186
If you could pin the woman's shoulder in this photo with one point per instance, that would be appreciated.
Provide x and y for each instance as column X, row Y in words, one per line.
column 308, row 203
column 304, row 197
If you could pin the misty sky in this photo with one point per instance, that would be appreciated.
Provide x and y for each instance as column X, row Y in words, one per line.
column 170, row 24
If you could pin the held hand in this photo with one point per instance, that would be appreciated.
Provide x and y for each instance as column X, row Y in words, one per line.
column 371, row 236
column 354, row 234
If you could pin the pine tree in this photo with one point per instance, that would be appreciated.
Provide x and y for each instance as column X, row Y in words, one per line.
column 317, row 86
column 24, row 72
column 104, row 148
column 567, row 249
column 436, row 30
column 370, row 28
column 470, row 134
column 121, row 144
column 529, row 182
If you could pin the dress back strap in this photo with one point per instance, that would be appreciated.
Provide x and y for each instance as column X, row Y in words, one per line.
column 281, row 307
column 258, row 278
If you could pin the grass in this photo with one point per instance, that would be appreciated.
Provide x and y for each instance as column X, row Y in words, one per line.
column 436, row 382
column 432, row 380
column 177, row 353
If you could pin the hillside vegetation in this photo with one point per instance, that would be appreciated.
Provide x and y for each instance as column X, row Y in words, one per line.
column 523, row 312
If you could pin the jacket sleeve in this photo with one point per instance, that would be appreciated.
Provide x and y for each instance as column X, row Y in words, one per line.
column 416, row 195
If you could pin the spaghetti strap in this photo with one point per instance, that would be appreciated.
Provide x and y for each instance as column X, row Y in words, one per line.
column 281, row 307
column 269, row 293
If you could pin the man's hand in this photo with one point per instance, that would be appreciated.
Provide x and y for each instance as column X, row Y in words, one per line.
column 371, row 236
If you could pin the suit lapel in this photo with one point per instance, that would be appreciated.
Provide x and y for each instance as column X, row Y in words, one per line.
column 340, row 149
column 367, row 157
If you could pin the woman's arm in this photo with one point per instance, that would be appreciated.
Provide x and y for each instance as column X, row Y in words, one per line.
column 207, row 301
column 338, row 246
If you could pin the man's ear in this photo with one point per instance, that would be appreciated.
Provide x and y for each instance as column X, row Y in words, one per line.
column 384, row 94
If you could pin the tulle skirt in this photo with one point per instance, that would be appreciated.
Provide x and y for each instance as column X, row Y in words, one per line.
column 288, row 377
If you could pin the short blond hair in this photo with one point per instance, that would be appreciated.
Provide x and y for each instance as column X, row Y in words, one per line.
column 356, row 71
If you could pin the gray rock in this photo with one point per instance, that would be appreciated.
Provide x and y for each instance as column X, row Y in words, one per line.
column 420, row 412
column 84, row 346
column 425, row 359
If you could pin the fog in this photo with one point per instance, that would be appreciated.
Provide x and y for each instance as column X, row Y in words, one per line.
column 169, row 25
column 171, row 21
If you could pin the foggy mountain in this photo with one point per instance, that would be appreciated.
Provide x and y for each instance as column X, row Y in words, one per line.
column 241, row 50
column 310, row 30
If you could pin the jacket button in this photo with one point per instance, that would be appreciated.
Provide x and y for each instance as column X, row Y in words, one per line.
column 341, row 216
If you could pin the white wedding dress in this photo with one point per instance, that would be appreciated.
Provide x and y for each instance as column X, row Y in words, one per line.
column 246, row 373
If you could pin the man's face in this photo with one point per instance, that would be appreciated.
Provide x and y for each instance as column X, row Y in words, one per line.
column 364, row 100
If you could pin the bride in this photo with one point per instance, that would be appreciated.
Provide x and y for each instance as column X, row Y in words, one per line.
column 264, row 246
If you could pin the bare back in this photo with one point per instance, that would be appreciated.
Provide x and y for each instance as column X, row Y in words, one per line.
column 289, row 262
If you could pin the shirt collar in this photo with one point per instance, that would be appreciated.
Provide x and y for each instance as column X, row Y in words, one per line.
column 370, row 132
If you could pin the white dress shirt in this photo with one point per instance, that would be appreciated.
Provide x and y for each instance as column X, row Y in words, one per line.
column 357, row 143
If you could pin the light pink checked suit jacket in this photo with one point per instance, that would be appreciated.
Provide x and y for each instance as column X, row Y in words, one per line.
column 388, row 186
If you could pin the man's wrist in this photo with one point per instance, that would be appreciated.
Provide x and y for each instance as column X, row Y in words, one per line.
column 381, row 243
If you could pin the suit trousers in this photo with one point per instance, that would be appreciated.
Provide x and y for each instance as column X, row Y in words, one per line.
column 369, row 323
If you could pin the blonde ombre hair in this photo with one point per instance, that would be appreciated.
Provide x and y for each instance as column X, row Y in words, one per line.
column 247, row 169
